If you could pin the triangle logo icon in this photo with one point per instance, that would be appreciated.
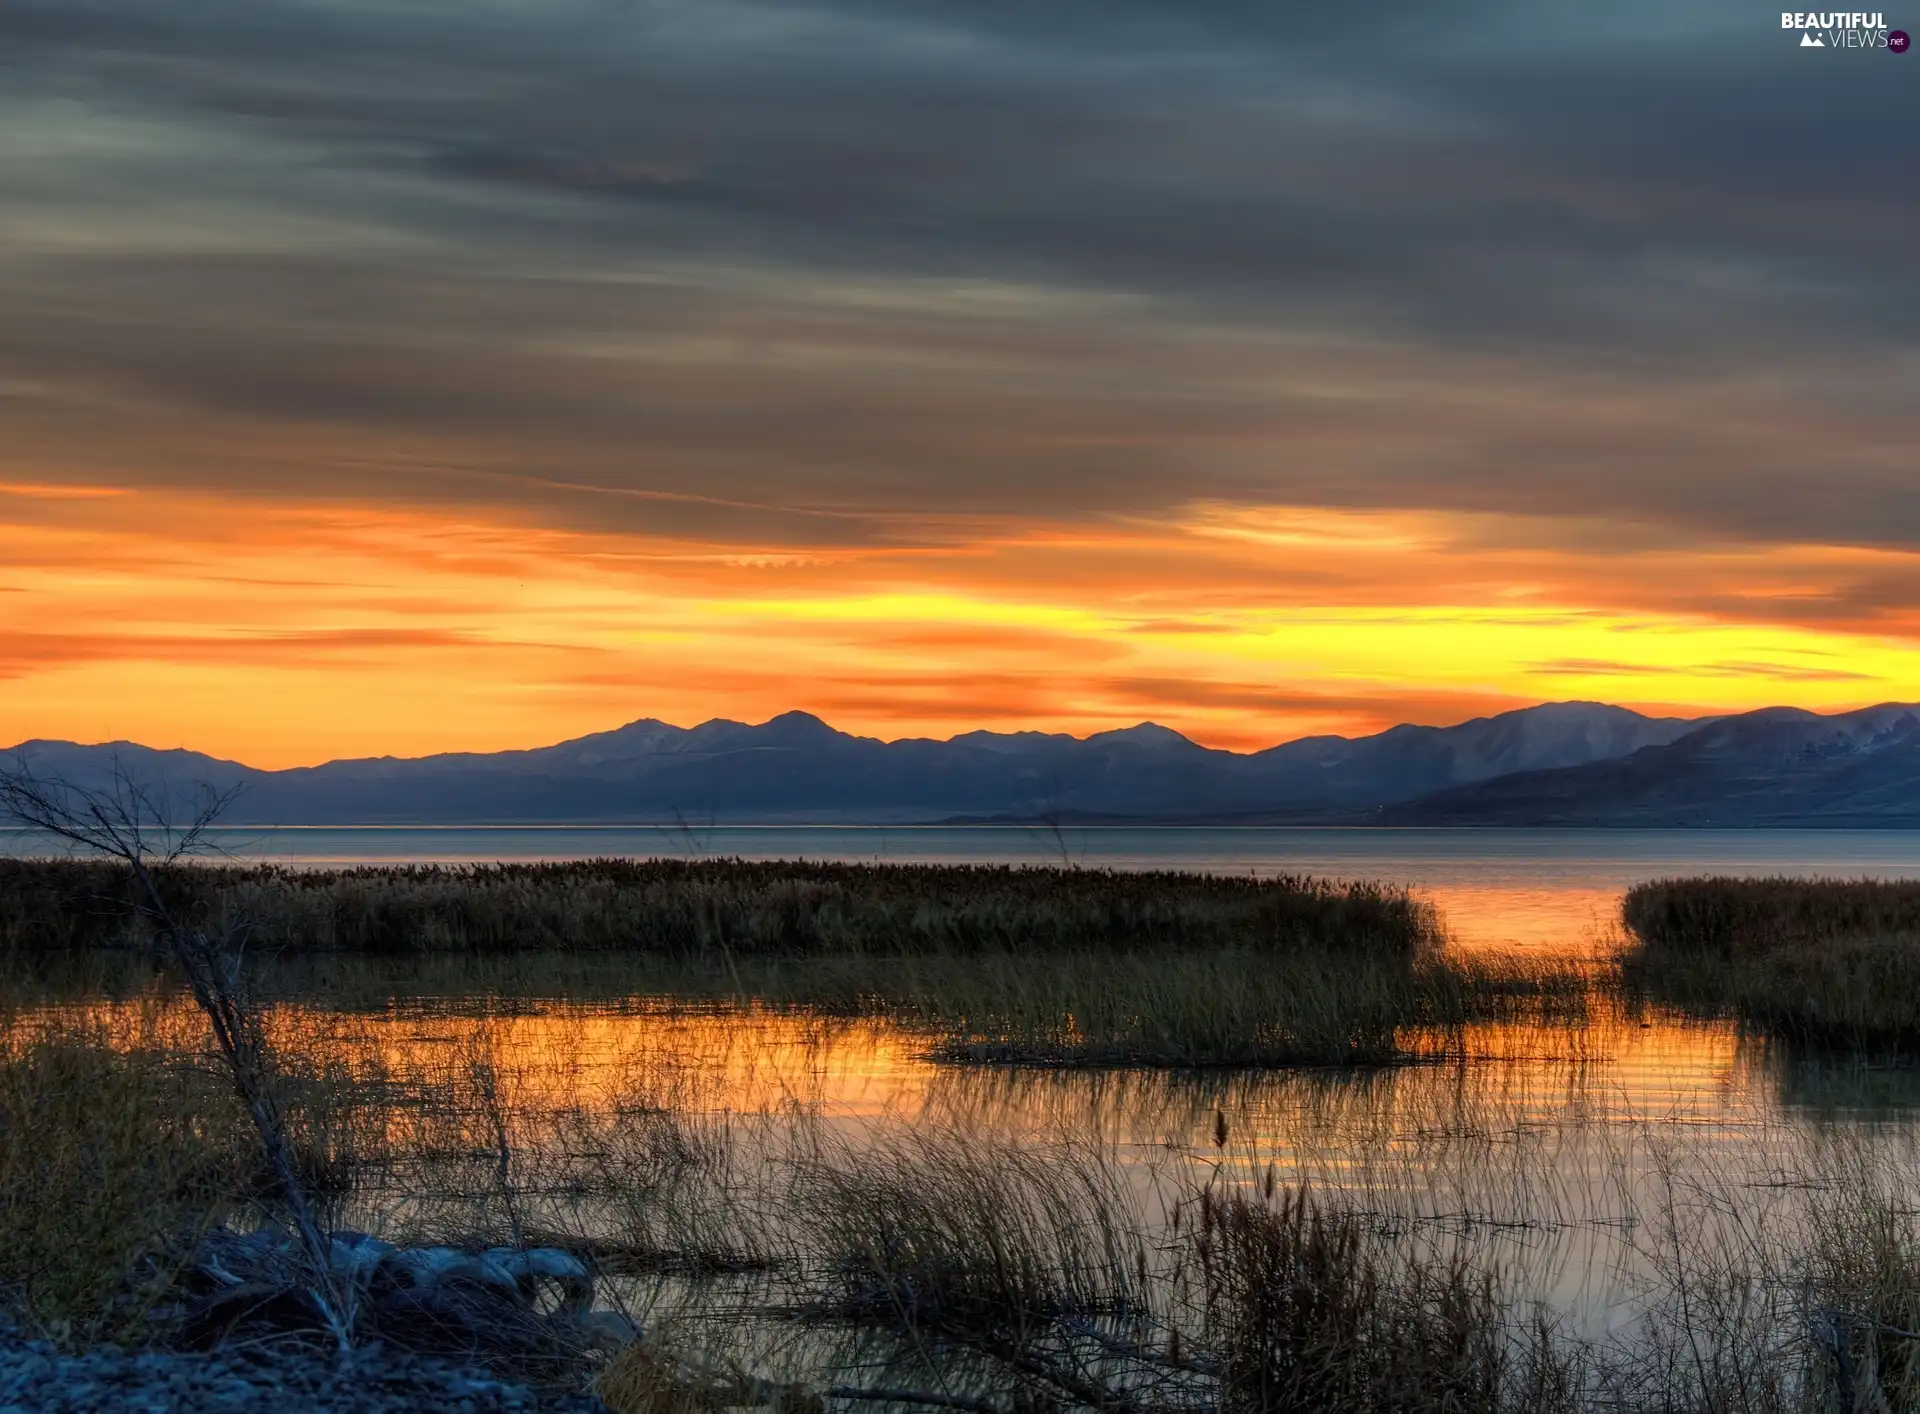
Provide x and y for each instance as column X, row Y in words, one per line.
column 1808, row 41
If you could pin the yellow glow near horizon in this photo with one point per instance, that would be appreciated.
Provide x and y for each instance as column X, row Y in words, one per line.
column 283, row 634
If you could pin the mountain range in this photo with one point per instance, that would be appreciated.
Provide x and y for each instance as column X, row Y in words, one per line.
column 1567, row 763
column 1776, row 767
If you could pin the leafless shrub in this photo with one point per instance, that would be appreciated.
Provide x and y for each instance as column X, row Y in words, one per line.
column 136, row 826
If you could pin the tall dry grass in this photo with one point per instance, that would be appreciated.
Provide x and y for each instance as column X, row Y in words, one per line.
column 1308, row 1309
column 1831, row 962
column 108, row 1159
column 942, row 1234
column 997, row 964
column 1226, row 1007
column 737, row 908
column 782, row 1257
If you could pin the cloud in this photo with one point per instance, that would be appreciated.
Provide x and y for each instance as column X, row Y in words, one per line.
column 1377, row 706
column 853, row 263
column 1177, row 626
column 1232, row 354
column 26, row 651
column 1772, row 672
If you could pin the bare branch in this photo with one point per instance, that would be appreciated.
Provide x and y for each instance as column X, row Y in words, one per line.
column 930, row 1398
column 129, row 821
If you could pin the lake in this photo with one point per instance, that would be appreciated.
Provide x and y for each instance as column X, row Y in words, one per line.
column 1570, row 1154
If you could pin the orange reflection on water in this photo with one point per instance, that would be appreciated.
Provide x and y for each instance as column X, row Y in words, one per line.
column 552, row 1055
column 1547, row 916
column 1550, row 1143
column 546, row 1057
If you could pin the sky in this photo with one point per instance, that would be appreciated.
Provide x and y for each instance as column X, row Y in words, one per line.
column 406, row 376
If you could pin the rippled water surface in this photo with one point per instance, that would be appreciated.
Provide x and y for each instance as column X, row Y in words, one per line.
column 1562, row 1152
column 1553, row 1146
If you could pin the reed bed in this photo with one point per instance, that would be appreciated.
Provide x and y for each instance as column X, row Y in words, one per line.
column 102, row 1155
column 799, row 1258
column 1829, row 962
column 723, row 908
column 992, row 964
column 1225, row 1007
column 781, row 1260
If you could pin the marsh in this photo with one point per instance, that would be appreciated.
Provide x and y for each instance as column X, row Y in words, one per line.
column 810, row 1117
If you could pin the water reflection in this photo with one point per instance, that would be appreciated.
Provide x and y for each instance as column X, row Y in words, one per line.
column 1612, row 1068
column 1545, row 1147
column 1545, row 916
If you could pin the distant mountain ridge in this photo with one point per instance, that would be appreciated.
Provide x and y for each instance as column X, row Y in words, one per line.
column 1779, row 766
column 795, row 768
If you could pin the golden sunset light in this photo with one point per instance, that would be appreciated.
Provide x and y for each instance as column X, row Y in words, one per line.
column 283, row 633
column 351, row 475
column 958, row 707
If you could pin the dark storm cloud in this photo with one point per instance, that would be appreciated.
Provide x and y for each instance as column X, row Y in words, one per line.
column 843, row 269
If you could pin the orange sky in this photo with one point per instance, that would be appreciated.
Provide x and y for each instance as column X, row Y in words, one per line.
column 395, row 379
column 282, row 633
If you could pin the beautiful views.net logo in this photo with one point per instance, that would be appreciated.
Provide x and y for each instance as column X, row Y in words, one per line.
column 1844, row 29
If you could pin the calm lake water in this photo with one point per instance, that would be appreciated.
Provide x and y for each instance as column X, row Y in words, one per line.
column 1535, row 888
column 1570, row 1153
